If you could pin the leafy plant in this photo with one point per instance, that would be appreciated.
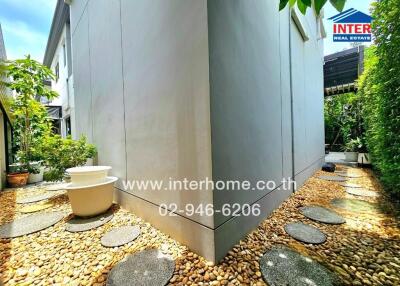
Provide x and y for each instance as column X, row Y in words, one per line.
column 27, row 81
column 379, row 88
column 63, row 153
column 343, row 120
column 353, row 145
column 318, row 4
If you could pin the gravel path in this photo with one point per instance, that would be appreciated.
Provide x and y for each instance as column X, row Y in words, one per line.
column 363, row 251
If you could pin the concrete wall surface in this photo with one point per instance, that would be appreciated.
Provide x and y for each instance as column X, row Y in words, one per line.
column 195, row 89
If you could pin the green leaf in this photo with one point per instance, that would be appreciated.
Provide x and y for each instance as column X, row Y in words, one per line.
column 338, row 4
column 282, row 4
column 306, row 2
column 302, row 7
column 318, row 4
column 292, row 2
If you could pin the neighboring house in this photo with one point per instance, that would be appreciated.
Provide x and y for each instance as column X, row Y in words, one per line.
column 195, row 89
column 59, row 59
column 5, row 124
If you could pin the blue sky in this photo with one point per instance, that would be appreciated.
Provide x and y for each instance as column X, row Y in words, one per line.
column 26, row 25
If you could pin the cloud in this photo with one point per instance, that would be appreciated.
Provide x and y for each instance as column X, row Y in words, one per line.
column 21, row 39
column 39, row 7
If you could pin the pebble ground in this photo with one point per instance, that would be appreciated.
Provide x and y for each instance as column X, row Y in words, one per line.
column 363, row 251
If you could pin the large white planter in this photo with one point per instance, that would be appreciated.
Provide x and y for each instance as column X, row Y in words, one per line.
column 351, row 156
column 91, row 190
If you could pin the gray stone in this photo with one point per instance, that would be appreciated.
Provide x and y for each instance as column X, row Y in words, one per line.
column 362, row 192
column 322, row 214
column 34, row 199
column 347, row 175
column 84, row 224
column 332, row 178
column 354, row 205
column 30, row 224
column 305, row 233
column 146, row 268
column 350, row 185
column 284, row 266
column 120, row 236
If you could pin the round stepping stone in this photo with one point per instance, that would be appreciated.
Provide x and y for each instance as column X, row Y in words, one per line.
column 35, row 208
column 322, row 214
column 354, row 205
column 35, row 199
column 350, row 185
column 284, row 266
column 84, row 224
column 30, row 224
column 56, row 187
column 120, row 236
column 305, row 233
column 332, row 178
column 146, row 268
column 345, row 174
column 362, row 192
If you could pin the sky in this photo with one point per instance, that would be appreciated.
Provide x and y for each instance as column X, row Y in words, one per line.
column 329, row 46
column 26, row 25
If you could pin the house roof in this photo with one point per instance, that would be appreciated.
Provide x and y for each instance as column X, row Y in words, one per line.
column 351, row 16
column 60, row 18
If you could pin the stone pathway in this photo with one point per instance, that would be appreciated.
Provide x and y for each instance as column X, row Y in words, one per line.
column 120, row 236
column 146, row 268
column 362, row 192
column 84, row 224
column 355, row 206
column 30, row 224
column 362, row 251
column 350, row 185
column 322, row 214
column 36, row 198
column 332, row 178
column 305, row 233
column 284, row 266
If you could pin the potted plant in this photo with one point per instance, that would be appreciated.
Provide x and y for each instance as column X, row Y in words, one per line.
column 61, row 154
column 30, row 122
column 351, row 149
column 17, row 176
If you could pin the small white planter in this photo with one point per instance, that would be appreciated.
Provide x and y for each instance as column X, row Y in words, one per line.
column 91, row 190
column 36, row 178
column 351, row 156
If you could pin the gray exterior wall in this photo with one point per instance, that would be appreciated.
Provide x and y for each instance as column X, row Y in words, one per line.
column 196, row 89
column 251, row 114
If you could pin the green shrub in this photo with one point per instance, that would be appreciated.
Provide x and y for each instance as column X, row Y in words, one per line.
column 63, row 153
column 380, row 92
column 343, row 122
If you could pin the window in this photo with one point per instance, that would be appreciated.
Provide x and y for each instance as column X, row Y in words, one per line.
column 68, row 126
column 57, row 71
column 64, row 54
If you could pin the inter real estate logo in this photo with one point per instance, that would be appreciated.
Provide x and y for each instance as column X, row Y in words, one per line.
column 351, row 26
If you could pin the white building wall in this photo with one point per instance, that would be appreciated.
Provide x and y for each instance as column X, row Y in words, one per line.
column 64, row 84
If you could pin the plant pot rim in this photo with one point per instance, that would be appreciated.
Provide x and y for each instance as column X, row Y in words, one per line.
column 109, row 180
column 17, row 173
column 83, row 170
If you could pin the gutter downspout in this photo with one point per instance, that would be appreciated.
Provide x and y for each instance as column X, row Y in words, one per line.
column 291, row 94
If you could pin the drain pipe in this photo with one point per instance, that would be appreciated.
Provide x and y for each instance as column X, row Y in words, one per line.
column 291, row 95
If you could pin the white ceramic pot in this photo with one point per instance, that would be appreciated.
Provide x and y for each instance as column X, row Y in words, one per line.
column 351, row 156
column 36, row 178
column 91, row 200
column 88, row 175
